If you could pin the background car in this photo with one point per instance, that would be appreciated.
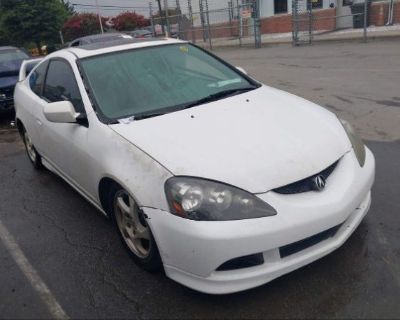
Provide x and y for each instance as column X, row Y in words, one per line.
column 103, row 37
column 173, row 33
column 10, row 61
column 141, row 33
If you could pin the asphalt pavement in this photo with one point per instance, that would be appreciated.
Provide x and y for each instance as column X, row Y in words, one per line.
column 78, row 255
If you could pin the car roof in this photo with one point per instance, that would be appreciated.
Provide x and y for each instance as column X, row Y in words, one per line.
column 99, row 48
column 141, row 30
column 8, row 48
column 100, row 36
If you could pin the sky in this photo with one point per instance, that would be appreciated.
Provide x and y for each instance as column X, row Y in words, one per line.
column 108, row 7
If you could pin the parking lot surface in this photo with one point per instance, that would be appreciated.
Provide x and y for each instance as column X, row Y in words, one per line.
column 78, row 255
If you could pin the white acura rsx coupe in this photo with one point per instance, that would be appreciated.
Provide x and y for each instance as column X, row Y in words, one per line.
column 223, row 182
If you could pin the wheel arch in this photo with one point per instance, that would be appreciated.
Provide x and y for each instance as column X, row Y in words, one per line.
column 20, row 126
column 104, row 187
column 105, row 184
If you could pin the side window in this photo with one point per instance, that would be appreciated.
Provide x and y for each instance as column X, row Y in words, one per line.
column 75, row 43
column 36, row 79
column 61, row 85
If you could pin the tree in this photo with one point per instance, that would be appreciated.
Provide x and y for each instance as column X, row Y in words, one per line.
column 4, row 36
column 130, row 21
column 68, row 7
column 81, row 25
column 37, row 21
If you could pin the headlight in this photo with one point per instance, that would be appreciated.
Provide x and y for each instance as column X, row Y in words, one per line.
column 200, row 199
column 358, row 145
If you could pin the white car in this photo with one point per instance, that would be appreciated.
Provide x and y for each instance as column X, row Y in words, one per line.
column 223, row 182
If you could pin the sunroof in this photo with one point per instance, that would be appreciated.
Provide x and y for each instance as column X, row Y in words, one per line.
column 117, row 42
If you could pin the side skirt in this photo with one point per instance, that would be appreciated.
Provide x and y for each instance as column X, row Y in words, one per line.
column 58, row 172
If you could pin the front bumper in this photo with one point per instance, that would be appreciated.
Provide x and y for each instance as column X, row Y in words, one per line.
column 6, row 98
column 6, row 104
column 193, row 250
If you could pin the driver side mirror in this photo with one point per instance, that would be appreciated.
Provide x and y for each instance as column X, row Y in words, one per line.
column 241, row 70
column 60, row 112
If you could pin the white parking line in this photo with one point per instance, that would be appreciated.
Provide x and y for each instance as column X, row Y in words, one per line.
column 37, row 283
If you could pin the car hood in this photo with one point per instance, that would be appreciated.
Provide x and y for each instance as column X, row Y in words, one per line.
column 258, row 141
column 10, row 66
column 9, row 72
column 8, row 81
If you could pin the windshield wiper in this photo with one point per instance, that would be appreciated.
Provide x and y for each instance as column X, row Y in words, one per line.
column 218, row 96
column 148, row 115
column 140, row 116
column 210, row 98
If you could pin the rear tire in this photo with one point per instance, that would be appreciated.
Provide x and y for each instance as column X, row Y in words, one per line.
column 33, row 155
column 133, row 229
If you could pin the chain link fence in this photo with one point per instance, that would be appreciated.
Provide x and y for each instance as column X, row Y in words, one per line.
column 212, row 23
column 207, row 22
column 310, row 24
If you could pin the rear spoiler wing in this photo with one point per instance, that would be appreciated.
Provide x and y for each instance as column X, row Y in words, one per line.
column 26, row 67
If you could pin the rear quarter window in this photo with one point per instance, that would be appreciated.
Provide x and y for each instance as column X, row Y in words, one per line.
column 36, row 79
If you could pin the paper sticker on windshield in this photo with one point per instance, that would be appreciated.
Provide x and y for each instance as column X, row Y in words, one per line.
column 184, row 49
column 224, row 83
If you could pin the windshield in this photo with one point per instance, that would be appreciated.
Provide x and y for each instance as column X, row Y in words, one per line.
column 12, row 55
column 157, row 80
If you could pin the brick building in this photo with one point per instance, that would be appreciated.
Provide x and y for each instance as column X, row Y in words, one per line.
column 276, row 16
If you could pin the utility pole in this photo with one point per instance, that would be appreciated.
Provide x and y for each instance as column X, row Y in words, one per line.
column 98, row 14
column 61, row 37
column 208, row 25
column 390, row 13
column 366, row 13
column 166, row 17
column 178, row 13
column 153, row 31
column 160, row 14
column 191, row 20
column 202, row 20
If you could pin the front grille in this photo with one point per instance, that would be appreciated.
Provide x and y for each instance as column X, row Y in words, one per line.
column 8, row 91
column 307, row 242
column 6, row 105
column 306, row 184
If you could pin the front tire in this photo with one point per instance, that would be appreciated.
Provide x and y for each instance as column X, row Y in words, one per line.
column 33, row 155
column 133, row 229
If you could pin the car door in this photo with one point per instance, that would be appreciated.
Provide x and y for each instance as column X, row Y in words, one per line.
column 32, row 113
column 64, row 144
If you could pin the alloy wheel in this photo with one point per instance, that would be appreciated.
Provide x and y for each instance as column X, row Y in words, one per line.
column 30, row 148
column 132, row 224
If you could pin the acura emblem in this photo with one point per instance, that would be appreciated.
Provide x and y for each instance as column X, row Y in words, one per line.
column 319, row 183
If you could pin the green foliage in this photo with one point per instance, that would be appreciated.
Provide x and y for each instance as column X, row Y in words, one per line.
column 37, row 21
column 4, row 38
column 80, row 25
column 68, row 7
column 130, row 21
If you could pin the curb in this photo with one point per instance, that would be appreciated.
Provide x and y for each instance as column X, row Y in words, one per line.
column 344, row 39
